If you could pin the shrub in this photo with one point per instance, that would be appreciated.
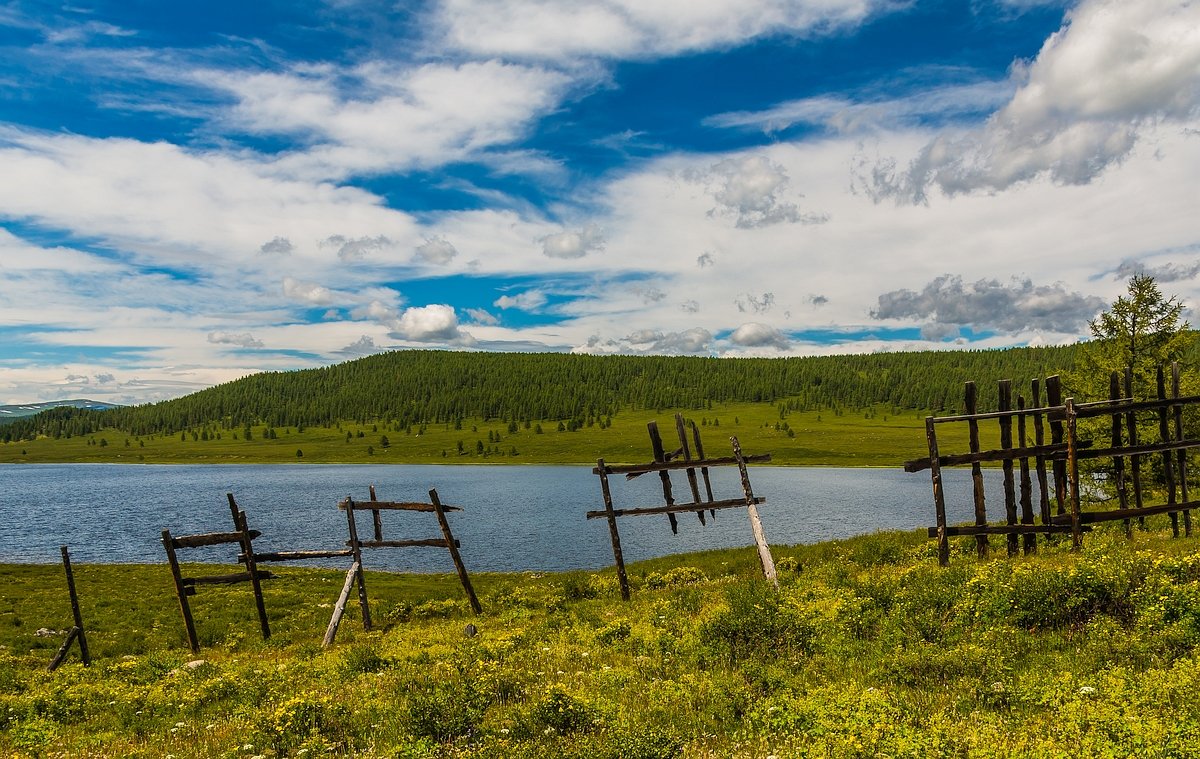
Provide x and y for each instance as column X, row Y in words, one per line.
column 758, row 623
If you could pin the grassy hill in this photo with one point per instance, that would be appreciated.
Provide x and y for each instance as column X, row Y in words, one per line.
column 869, row 649
column 444, row 407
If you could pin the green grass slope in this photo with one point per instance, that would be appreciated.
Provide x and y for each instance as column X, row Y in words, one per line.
column 872, row 437
column 868, row 649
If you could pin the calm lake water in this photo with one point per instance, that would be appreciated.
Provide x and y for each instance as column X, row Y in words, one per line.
column 514, row 518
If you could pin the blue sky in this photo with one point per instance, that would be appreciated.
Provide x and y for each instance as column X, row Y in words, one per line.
column 194, row 192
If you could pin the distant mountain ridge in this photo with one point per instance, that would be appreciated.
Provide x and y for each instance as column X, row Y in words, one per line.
column 19, row 410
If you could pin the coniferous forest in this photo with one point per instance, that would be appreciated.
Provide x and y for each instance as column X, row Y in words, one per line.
column 431, row 387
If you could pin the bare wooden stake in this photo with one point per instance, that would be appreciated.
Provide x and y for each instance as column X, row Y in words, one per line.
column 970, row 404
column 61, row 656
column 356, row 546
column 452, row 545
column 1028, row 541
column 1039, row 439
column 1010, row 495
column 660, row 456
column 1164, row 434
column 760, row 537
column 1182, row 454
column 181, row 591
column 340, row 608
column 1135, row 461
column 939, row 498
column 376, row 521
column 84, row 654
column 1114, row 394
column 612, row 530
column 681, row 431
column 239, row 522
column 703, row 470
column 1073, row 463
column 1054, row 399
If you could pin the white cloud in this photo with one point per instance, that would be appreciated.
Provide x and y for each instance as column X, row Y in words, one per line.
column 1115, row 69
column 380, row 117
column 756, row 335
column 568, row 29
column 752, row 189
column 356, row 249
column 573, row 244
column 435, row 323
column 843, row 115
column 244, row 340
column 436, row 251
column 309, row 292
column 480, row 316
column 277, row 246
column 530, row 300
column 363, row 346
column 1167, row 272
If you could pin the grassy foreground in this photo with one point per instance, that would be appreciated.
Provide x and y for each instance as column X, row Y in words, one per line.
column 865, row 437
column 869, row 649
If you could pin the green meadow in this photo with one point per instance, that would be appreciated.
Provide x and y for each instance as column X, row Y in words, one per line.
column 868, row 649
column 874, row 436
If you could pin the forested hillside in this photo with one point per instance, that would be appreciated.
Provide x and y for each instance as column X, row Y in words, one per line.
column 415, row 387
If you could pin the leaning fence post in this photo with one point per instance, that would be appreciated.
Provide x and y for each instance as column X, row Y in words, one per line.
column 1182, row 454
column 612, row 530
column 760, row 538
column 76, row 632
column 247, row 543
column 458, row 562
column 181, row 591
column 357, row 548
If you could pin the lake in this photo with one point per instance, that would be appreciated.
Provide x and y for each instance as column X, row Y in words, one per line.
column 515, row 518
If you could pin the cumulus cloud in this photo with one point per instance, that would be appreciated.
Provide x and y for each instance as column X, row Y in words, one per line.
column 754, row 335
column 704, row 260
column 363, row 346
column 548, row 29
column 530, row 300
column 752, row 190
column 435, row 323
column 278, row 246
column 105, row 378
column 355, row 249
column 650, row 294
column 437, row 251
column 818, row 300
column 690, row 306
column 1168, row 272
column 480, row 316
column 244, row 340
column 990, row 304
column 573, row 243
column 309, row 292
column 1115, row 68
column 695, row 340
column 747, row 302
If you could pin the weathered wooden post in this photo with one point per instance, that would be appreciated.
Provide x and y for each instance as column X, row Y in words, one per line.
column 356, row 547
column 247, row 543
column 760, row 538
column 612, row 529
column 76, row 633
column 340, row 607
column 1029, row 539
column 660, row 456
column 1135, row 461
column 1181, row 454
column 970, row 405
column 450, row 544
column 1073, row 468
column 1164, row 436
column 182, row 591
column 681, row 431
column 1006, row 441
column 1039, row 439
column 939, row 498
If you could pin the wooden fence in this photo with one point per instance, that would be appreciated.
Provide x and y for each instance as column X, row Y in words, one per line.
column 1023, row 459
column 682, row 459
